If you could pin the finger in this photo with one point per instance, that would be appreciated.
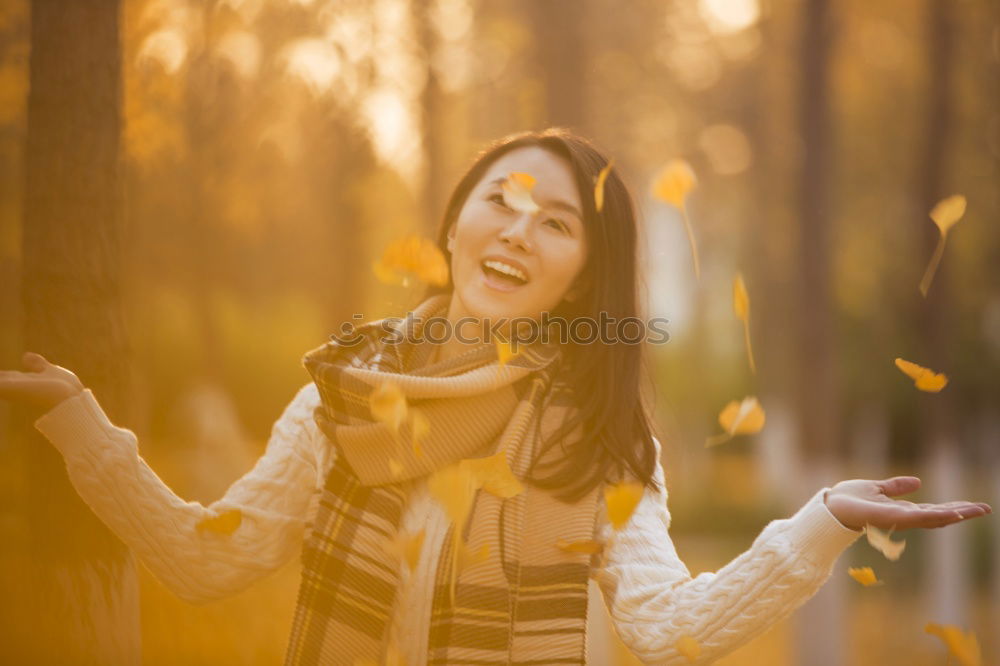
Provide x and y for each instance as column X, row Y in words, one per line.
column 34, row 362
column 899, row 485
column 943, row 517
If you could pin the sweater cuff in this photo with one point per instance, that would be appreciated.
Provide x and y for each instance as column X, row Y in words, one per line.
column 74, row 421
column 816, row 533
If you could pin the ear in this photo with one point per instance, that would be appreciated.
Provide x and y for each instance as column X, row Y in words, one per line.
column 451, row 239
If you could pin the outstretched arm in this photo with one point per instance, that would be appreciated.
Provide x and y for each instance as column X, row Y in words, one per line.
column 654, row 601
column 275, row 499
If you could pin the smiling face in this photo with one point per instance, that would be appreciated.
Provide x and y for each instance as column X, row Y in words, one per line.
column 545, row 250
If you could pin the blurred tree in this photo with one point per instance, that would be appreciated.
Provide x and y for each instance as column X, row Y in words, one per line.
column 432, row 101
column 561, row 54
column 946, row 575
column 84, row 592
column 818, row 395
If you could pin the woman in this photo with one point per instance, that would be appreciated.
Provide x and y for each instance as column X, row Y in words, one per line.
column 498, row 566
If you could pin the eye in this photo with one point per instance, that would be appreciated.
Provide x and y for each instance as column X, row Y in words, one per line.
column 497, row 198
column 556, row 224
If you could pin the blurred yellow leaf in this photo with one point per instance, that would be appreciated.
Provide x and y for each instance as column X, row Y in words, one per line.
column 739, row 418
column 412, row 255
column 622, row 498
column 882, row 542
column 388, row 405
column 923, row 378
column 517, row 192
column 454, row 487
column 864, row 575
column 505, row 351
column 420, row 427
column 948, row 211
column 589, row 547
column 468, row 558
column 494, row 475
column 688, row 647
column 224, row 523
column 741, row 306
column 672, row 184
column 406, row 548
column 599, row 186
column 387, row 275
column 963, row 646
column 945, row 214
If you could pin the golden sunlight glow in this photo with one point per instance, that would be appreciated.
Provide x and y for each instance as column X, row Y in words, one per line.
column 314, row 62
column 727, row 148
column 725, row 16
column 393, row 130
column 247, row 9
column 242, row 50
column 166, row 47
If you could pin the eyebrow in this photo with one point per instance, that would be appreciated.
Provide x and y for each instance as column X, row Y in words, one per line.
column 557, row 204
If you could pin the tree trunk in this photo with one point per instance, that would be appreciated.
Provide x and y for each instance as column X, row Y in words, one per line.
column 820, row 623
column 84, row 592
column 561, row 54
column 946, row 583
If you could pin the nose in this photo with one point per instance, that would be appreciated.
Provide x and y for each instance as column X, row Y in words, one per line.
column 517, row 233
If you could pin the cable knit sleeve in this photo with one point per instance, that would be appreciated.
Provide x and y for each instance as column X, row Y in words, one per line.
column 653, row 601
column 276, row 498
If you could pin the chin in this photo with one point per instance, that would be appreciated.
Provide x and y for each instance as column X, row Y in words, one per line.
column 487, row 306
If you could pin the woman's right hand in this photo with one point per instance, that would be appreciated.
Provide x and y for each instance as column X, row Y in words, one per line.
column 43, row 384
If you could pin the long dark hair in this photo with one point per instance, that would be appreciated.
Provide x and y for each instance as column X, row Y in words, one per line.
column 617, row 432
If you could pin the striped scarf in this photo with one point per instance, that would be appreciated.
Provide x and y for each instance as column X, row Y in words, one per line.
column 527, row 602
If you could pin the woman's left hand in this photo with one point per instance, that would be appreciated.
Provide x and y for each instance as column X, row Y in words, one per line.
column 858, row 502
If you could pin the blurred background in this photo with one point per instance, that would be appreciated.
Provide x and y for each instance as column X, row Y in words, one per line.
column 192, row 193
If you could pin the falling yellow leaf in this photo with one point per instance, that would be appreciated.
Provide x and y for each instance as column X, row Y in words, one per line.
column 454, row 487
column 688, row 647
column 517, row 192
column 673, row 182
column 589, row 547
column 599, row 186
column 923, row 378
column 739, row 418
column 494, row 475
column 388, row 405
column 864, row 575
column 224, row 523
column 420, row 427
column 467, row 558
column 622, row 498
column 741, row 306
column 505, row 351
column 672, row 185
column 882, row 542
column 412, row 256
column 948, row 211
column 963, row 646
column 945, row 214
column 406, row 548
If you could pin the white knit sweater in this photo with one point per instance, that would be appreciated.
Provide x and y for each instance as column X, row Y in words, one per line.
column 650, row 594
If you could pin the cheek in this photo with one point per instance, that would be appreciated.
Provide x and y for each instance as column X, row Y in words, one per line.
column 571, row 262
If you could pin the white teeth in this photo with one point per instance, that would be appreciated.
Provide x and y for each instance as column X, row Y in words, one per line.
column 504, row 268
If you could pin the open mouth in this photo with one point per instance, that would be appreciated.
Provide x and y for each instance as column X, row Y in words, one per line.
column 502, row 276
